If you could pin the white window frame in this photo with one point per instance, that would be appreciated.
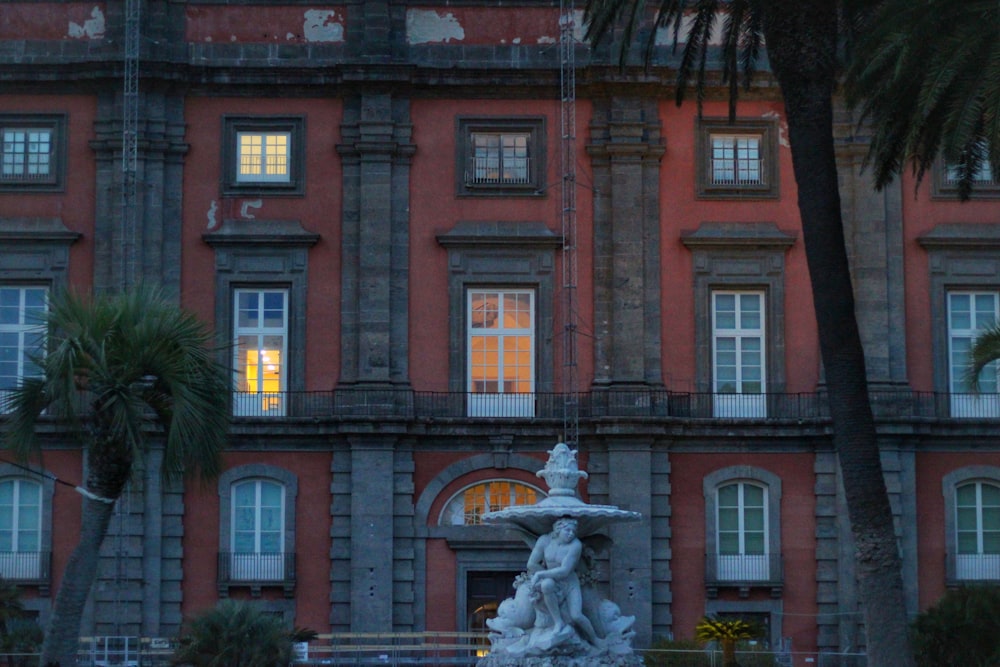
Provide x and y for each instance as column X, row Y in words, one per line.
column 257, row 565
column 23, row 330
column 21, row 564
column 267, row 154
column 983, row 564
column 260, row 403
column 512, row 153
column 491, row 495
column 738, row 403
column 745, row 565
column 500, row 403
column 739, row 160
column 21, row 157
column 965, row 403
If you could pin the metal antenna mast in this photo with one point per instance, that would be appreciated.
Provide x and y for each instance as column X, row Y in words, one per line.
column 567, row 126
column 130, row 120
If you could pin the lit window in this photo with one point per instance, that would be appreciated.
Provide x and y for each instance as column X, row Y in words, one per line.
column 264, row 157
column 261, row 334
column 468, row 506
column 742, row 532
column 977, row 522
column 20, row 529
column 501, row 348
column 22, row 334
column 969, row 314
column 258, row 531
column 738, row 354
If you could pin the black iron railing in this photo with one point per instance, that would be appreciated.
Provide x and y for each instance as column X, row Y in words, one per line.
column 743, row 569
column 653, row 403
column 26, row 567
column 256, row 568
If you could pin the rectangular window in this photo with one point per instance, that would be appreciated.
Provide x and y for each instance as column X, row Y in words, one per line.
column 501, row 357
column 500, row 156
column 742, row 533
column 31, row 152
column 22, row 334
column 500, row 159
column 985, row 184
column 738, row 354
column 263, row 155
column 737, row 161
column 260, row 364
column 969, row 314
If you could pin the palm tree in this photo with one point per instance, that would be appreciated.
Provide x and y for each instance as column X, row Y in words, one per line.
column 113, row 361
column 802, row 38
column 238, row 634
column 925, row 79
column 727, row 632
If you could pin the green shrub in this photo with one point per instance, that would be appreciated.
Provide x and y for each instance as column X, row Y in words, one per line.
column 961, row 630
column 237, row 634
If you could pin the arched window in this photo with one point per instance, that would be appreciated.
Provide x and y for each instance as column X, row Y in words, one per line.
column 20, row 529
column 257, row 527
column 742, row 531
column 742, row 528
column 977, row 526
column 258, row 530
column 468, row 505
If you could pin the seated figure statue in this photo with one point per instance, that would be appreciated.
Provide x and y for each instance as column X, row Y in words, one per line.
column 554, row 580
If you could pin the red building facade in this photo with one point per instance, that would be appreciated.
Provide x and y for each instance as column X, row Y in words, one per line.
column 367, row 201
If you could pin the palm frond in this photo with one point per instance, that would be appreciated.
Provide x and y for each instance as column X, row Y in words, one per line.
column 924, row 77
column 124, row 358
column 985, row 350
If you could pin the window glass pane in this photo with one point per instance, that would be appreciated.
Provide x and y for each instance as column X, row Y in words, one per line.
column 991, row 495
column 729, row 519
column 7, row 492
column 243, row 542
column 753, row 520
column 247, row 309
column 753, row 543
column 967, row 518
column 750, row 311
column 729, row 543
column 729, row 495
column 270, row 543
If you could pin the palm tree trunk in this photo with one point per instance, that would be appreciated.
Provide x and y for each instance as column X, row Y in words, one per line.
column 801, row 42
column 62, row 637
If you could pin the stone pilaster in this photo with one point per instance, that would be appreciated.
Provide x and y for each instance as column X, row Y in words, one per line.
column 625, row 152
column 873, row 231
column 372, row 530
column 375, row 247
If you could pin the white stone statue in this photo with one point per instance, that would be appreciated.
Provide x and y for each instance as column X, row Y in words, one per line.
column 557, row 617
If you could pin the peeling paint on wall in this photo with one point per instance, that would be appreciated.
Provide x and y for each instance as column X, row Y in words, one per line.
column 782, row 127
column 323, row 25
column 92, row 28
column 426, row 26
